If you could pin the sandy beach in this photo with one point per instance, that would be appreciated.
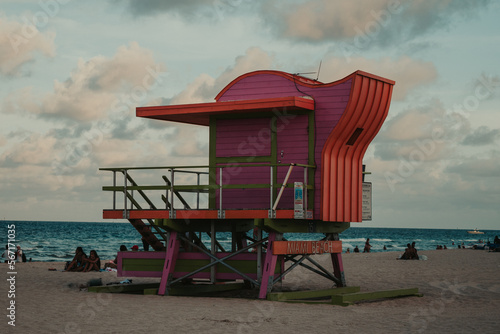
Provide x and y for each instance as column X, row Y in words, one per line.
column 461, row 291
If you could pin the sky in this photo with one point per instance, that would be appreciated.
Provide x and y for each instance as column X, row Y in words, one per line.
column 73, row 72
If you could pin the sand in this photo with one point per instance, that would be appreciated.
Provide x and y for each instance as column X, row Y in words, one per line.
column 461, row 295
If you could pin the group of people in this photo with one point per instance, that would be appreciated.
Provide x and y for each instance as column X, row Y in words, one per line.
column 365, row 250
column 19, row 255
column 410, row 252
column 84, row 263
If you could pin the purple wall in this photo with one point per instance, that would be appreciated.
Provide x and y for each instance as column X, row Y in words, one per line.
column 330, row 103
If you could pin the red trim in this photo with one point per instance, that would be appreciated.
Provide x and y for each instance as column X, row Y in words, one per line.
column 112, row 214
column 200, row 113
column 197, row 214
column 302, row 80
column 341, row 176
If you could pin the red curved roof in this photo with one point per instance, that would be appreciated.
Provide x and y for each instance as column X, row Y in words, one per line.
column 341, row 191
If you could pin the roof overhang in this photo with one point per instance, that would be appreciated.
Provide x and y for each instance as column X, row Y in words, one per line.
column 200, row 113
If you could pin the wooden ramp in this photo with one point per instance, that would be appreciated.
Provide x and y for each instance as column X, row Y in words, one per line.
column 343, row 296
column 349, row 298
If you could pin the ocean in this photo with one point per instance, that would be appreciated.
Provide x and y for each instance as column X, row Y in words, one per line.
column 57, row 241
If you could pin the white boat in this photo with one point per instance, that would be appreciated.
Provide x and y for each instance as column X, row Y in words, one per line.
column 475, row 231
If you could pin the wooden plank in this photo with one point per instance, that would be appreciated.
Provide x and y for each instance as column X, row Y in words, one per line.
column 197, row 289
column 123, row 288
column 350, row 298
column 294, row 295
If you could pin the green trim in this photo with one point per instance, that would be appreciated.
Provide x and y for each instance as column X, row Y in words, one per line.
column 304, row 226
column 199, row 289
column 350, row 298
column 285, row 296
column 124, row 288
column 212, row 172
column 190, row 265
column 274, row 154
column 311, row 159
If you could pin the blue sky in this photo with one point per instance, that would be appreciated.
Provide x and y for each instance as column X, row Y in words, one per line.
column 72, row 73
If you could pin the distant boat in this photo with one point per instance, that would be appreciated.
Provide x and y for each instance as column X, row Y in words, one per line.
column 475, row 231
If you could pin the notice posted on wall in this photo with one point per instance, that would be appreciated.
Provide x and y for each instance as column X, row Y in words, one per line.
column 367, row 201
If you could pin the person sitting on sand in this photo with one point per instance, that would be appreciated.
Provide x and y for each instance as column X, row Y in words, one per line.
column 77, row 263
column 414, row 253
column 356, row 249
column 92, row 263
column 406, row 254
column 114, row 263
column 410, row 252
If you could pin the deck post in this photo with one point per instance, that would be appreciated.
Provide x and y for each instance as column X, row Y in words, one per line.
column 258, row 237
column 213, row 250
column 266, row 283
column 170, row 259
column 338, row 266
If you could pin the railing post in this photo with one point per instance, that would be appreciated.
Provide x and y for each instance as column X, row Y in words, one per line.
column 306, row 174
column 171, row 194
column 114, row 191
column 220, row 192
column 198, row 191
column 271, row 211
column 125, row 212
column 212, row 250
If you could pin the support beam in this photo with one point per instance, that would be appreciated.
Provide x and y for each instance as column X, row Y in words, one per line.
column 338, row 266
column 266, row 284
column 170, row 259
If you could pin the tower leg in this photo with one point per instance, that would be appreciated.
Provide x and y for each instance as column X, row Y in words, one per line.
column 170, row 259
column 269, row 267
column 338, row 267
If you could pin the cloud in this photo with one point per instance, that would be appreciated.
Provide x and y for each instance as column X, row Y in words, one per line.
column 204, row 88
column 152, row 7
column 423, row 133
column 214, row 10
column 96, row 87
column 408, row 73
column 476, row 168
column 20, row 43
column 382, row 22
column 483, row 135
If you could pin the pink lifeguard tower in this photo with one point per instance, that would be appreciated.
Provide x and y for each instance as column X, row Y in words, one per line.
column 285, row 156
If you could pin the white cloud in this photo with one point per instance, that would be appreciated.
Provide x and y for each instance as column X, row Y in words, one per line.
column 20, row 43
column 96, row 87
column 204, row 88
column 407, row 72
column 383, row 22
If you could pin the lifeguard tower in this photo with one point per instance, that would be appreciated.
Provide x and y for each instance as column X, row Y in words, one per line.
column 285, row 156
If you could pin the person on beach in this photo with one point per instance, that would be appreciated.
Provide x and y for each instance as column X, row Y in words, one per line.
column 20, row 257
column 5, row 255
column 77, row 263
column 114, row 263
column 356, row 249
column 410, row 252
column 367, row 246
column 348, row 251
column 93, row 262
